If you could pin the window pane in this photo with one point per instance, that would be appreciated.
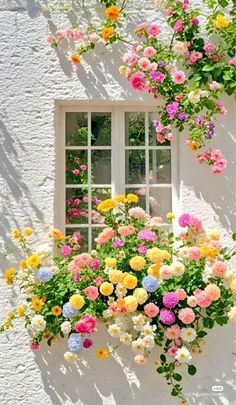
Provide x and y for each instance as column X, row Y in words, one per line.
column 160, row 201
column 141, row 193
column 76, row 167
column 159, row 166
column 101, row 166
column 152, row 132
column 134, row 128
column 76, row 206
column 135, row 166
column 98, row 195
column 100, row 128
column 82, row 235
column 76, row 129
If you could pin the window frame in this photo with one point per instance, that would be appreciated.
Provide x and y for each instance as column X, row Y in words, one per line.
column 117, row 111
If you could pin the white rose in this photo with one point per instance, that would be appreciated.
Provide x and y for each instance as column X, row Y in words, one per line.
column 194, row 97
column 66, row 327
column 188, row 334
column 38, row 323
column 126, row 338
column 183, row 355
column 177, row 268
column 114, row 330
column 138, row 346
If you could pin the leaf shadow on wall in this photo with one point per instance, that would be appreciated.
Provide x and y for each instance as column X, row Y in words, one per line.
column 119, row 381
column 14, row 192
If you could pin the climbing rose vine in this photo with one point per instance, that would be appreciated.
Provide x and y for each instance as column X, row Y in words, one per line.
column 155, row 291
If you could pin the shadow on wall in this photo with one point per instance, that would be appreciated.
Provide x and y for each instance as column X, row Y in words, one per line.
column 13, row 187
column 118, row 381
column 216, row 190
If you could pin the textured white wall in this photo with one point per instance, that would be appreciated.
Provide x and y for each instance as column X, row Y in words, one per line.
column 33, row 78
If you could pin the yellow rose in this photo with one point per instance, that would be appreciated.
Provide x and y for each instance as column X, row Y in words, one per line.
column 170, row 216
column 132, row 198
column 233, row 285
column 27, row 231
column 116, row 276
column 70, row 357
column 221, row 21
column 33, row 261
column 8, row 275
column 107, row 205
column 165, row 255
column 154, row 270
column 106, row 288
column 130, row 281
column 154, row 254
column 15, row 233
column 110, row 261
column 194, row 145
column 141, row 295
column 214, row 234
column 131, row 303
column 77, row 301
column 137, row 263
column 120, row 197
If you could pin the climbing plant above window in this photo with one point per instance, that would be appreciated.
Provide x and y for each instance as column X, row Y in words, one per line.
column 186, row 73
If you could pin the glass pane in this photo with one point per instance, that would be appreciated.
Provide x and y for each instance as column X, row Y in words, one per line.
column 98, row 195
column 160, row 201
column 141, row 193
column 82, row 236
column 76, row 167
column 134, row 128
column 159, row 166
column 76, row 206
column 101, row 166
column 135, row 167
column 76, row 128
column 152, row 131
column 95, row 233
column 100, row 128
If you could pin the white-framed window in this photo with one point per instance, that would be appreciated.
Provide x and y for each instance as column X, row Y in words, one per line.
column 107, row 150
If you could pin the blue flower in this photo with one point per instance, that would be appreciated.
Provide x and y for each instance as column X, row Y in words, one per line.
column 44, row 274
column 75, row 342
column 150, row 283
column 68, row 311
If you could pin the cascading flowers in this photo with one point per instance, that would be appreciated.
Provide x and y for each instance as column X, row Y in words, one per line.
column 154, row 290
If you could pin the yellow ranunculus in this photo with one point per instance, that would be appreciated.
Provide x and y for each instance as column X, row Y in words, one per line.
column 131, row 303
column 165, row 255
column 221, row 21
column 106, row 288
column 154, row 254
column 137, row 263
column 130, row 281
column 107, row 32
column 37, row 304
column 154, row 270
column 141, row 295
column 27, row 231
column 116, row 276
column 112, row 13
column 120, row 197
column 107, row 205
column 9, row 275
column 15, row 233
column 132, row 198
column 110, row 261
column 77, row 301
column 170, row 216
column 33, row 261
column 21, row 310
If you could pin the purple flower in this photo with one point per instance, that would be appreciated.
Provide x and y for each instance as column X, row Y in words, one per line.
column 142, row 249
column 161, row 63
column 200, row 120
column 172, row 109
column 195, row 21
column 118, row 243
column 145, row 234
column 167, row 316
column 75, row 342
column 155, row 123
column 170, row 299
column 44, row 274
column 182, row 116
column 150, row 283
column 184, row 220
column 157, row 76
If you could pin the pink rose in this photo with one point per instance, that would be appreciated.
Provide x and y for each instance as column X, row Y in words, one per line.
column 91, row 293
column 153, row 30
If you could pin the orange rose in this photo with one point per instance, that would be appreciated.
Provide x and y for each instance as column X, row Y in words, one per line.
column 112, row 13
column 74, row 57
column 106, row 33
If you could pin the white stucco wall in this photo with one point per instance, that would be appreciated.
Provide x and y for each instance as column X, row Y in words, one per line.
column 32, row 78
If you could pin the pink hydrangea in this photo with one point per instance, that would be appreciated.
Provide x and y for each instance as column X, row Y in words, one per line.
column 178, row 76
column 146, row 234
column 170, row 299
column 186, row 315
column 91, row 293
column 151, row 310
column 167, row 317
column 82, row 259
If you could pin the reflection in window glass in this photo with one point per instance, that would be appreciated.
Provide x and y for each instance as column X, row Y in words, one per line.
column 76, row 167
column 76, row 206
column 82, row 237
column 76, row 129
column 159, row 166
column 100, row 129
column 134, row 128
column 135, row 166
column 101, row 166
column 152, row 132
column 141, row 193
column 160, row 201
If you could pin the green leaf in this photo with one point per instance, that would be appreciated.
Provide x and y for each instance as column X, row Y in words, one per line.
column 174, row 392
column 207, row 68
column 234, row 236
column 160, row 370
column 163, row 358
column 192, row 369
column 177, row 377
column 201, row 334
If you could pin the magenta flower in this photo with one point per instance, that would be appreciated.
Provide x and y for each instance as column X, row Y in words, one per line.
column 118, row 243
column 142, row 249
column 157, row 76
column 95, row 264
column 167, row 316
column 170, row 299
column 66, row 250
column 184, row 220
column 137, row 81
column 172, row 109
column 178, row 26
column 145, row 234
column 87, row 343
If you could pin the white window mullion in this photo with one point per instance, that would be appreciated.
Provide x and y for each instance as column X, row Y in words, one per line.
column 118, row 152
column 147, row 161
column 89, row 183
